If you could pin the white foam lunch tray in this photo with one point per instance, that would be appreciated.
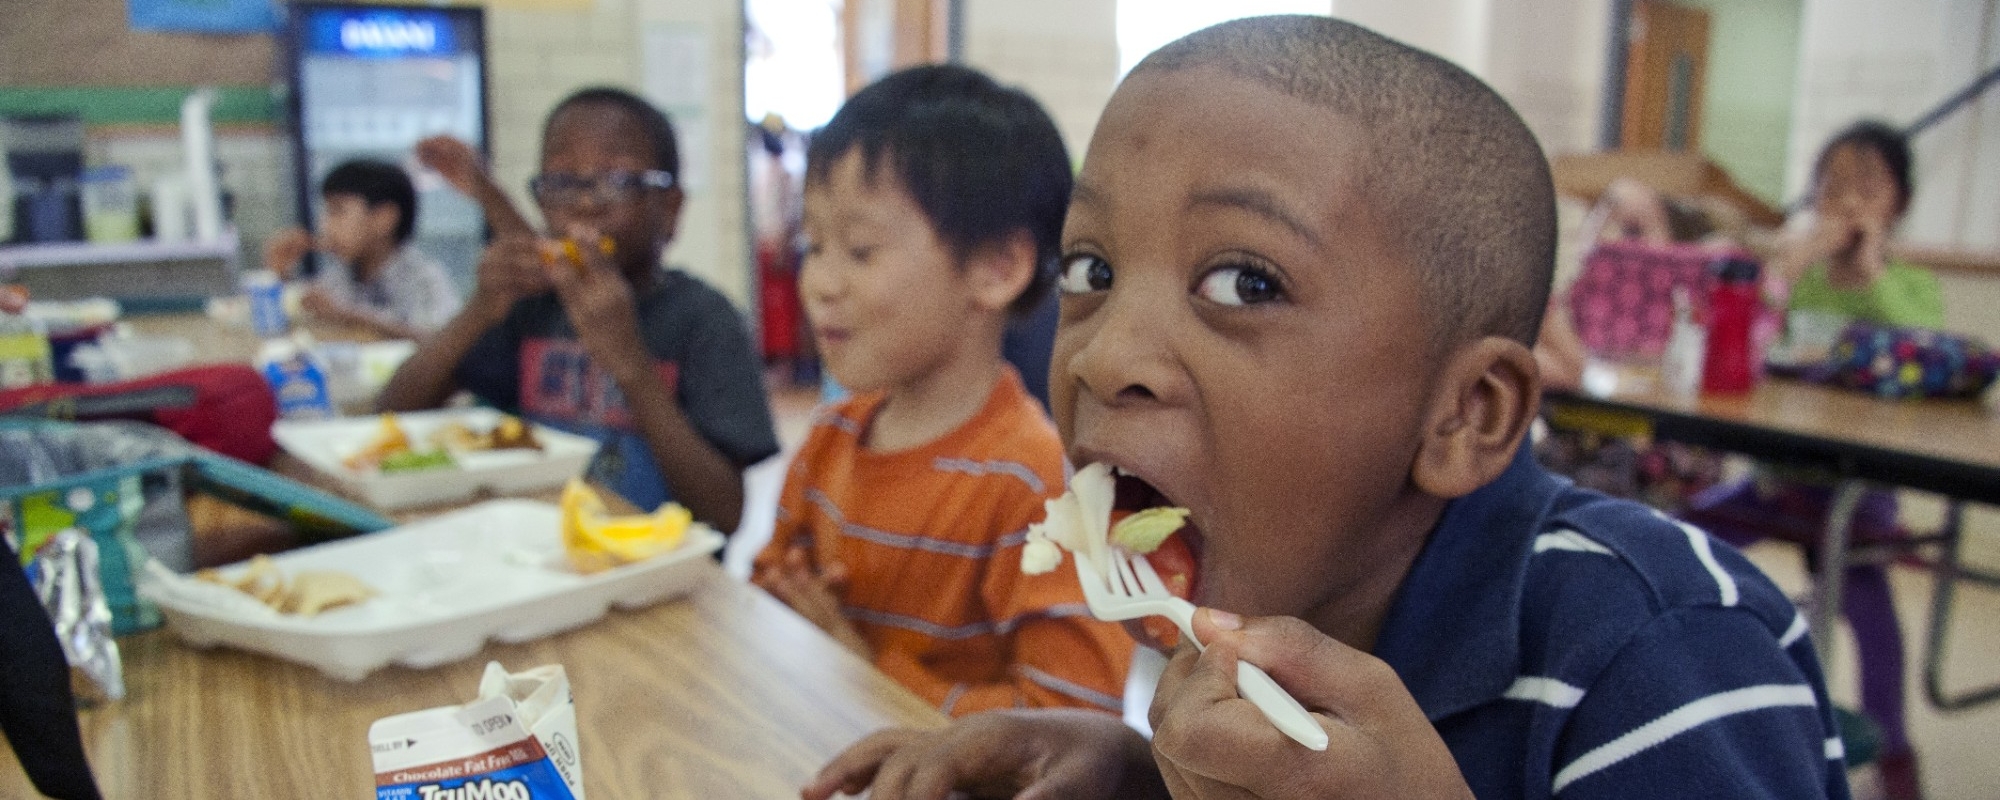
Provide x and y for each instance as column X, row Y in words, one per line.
column 324, row 444
column 447, row 585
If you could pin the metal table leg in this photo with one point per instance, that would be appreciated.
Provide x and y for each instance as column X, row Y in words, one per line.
column 1832, row 578
column 1947, row 573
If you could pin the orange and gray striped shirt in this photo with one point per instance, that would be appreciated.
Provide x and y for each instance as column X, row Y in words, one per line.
column 931, row 537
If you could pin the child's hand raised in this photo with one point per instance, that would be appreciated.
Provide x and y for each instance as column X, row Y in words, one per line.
column 597, row 298
column 454, row 160
column 509, row 271
column 1042, row 754
column 283, row 251
column 1211, row 743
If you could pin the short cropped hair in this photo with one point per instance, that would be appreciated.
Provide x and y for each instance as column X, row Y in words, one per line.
column 1457, row 175
column 376, row 182
column 659, row 129
column 981, row 160
column 1886, row 141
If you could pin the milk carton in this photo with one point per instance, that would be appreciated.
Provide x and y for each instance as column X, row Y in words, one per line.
column 516, row 742
column 298, row 379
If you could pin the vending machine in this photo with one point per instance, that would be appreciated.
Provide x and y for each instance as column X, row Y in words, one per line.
column 369, row 81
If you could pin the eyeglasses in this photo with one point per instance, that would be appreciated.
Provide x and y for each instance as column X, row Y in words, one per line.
column 558, row 190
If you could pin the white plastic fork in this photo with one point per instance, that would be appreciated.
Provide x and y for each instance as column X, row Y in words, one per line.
column 1128, row 588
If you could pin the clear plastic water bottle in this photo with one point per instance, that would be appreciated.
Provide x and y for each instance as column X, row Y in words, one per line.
column 266, row 293
column 1687, row 348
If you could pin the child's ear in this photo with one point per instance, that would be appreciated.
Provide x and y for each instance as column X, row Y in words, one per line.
column 999, row 272
column 1482, row 404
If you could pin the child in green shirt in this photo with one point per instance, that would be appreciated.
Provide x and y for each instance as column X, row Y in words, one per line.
column 1838, row 269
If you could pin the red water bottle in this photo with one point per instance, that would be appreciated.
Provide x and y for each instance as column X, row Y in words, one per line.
column 1729, row 366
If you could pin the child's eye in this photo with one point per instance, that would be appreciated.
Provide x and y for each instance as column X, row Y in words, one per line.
column 1082, row 274
column 1240, row 285
column 860, row 253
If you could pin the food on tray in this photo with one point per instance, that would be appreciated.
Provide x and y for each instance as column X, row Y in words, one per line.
column 417, row 461
column 307, row 593
column 595, row 540
column 509, row 434
column 389, row 440
column 391, row 450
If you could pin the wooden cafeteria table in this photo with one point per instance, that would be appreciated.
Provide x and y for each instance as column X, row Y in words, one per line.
column 1947, row 447
column 725, row 693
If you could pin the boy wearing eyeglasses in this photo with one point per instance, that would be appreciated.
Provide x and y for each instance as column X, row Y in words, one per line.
column 585, row 331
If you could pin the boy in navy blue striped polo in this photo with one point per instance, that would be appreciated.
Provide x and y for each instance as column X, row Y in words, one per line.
column 1303, row 269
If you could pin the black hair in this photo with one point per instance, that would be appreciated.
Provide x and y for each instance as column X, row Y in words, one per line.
column 376, row 182
column 658, row 128
column 982, row 160
column 1453, row 171
column 1886, row 141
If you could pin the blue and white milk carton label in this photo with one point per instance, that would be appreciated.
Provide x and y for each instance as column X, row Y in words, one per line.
column 297, row 379
column 517, row 742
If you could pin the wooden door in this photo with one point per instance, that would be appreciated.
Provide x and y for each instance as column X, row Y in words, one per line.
column 1666, row 67
column 882, row 36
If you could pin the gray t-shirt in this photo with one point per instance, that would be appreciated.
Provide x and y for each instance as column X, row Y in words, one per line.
column 411, row 289
column 532, row 364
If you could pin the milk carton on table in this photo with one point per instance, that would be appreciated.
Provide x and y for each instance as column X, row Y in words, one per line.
column 516, row 742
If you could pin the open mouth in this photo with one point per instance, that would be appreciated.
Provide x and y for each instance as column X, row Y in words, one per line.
column 1177, row 560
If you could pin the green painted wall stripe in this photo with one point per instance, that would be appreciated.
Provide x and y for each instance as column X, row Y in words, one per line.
column 140, row 105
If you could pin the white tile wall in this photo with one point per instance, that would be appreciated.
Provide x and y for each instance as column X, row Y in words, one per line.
column 1547, row 57
column 1063, row 52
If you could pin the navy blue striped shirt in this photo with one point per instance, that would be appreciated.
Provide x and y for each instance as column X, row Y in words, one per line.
column 1566, row 644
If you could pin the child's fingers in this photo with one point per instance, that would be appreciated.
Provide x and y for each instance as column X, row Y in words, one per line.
column 588, row 249
column 1323, row 674
column 1208, row 732
column 556, row 263
column 1379, row 737
column 855, row 768
column 834, row 575
column 798, row 560
column 916, row 770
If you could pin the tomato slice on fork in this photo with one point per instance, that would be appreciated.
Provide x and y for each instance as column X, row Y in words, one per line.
column 1175, row 563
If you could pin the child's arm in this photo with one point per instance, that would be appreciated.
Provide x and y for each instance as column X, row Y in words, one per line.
column 600, row 303
column 509, row 271
column 1042, row 754
column 327, row 307
column 462, row 168
column 1559, row 351
column 284, row 250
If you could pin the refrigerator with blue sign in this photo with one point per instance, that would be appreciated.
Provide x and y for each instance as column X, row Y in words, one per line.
column 369, row 81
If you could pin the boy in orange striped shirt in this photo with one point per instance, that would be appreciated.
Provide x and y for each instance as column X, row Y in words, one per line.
column 934, row 201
